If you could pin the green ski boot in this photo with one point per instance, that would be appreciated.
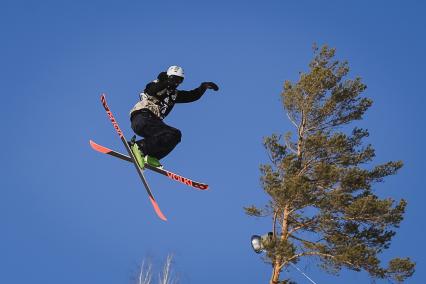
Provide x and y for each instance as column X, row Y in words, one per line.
column 140, row 158
column 152, row 161
column 138, row 155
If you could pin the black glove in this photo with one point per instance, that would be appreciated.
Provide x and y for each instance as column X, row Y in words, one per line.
column 209, row 85
column 162, row 76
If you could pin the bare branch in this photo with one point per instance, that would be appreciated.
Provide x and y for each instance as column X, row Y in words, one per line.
column 145, row 274
column 274, row 228
column 165, row 278
column 290, row 146
column 291, row 118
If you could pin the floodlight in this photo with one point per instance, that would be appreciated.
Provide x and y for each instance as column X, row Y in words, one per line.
column 258, row 243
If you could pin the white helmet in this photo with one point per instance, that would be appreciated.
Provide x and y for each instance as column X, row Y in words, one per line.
column 176, row 71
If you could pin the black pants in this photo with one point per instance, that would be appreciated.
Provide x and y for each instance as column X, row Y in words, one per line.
column 159, row 138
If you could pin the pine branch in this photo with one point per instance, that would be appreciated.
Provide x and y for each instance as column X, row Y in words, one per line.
column 306, row 166
column 303, row 240
column 315, row 253
column 302, row 225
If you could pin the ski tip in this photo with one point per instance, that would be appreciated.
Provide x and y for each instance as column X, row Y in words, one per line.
column 98, row 147
column 103, row 99
column 157, row 209
column 202, row 187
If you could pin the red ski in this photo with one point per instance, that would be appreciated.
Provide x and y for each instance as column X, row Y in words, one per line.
column 171, row 175
column 132, row 159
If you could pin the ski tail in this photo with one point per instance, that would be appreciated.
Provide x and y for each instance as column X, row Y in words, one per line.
column 132, row 157
column 157, row 208
column 108, row 151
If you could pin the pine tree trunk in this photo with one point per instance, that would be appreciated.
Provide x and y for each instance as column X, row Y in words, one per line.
column 275, row 278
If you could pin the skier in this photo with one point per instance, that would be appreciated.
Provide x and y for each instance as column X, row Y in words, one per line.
column 155, row 103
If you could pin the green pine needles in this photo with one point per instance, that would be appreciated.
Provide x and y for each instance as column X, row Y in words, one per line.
column 320, row 180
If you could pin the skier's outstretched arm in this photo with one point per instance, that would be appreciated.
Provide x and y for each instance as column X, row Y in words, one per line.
column 195, row 94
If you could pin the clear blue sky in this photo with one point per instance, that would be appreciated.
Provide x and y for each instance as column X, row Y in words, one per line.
column 71, row 215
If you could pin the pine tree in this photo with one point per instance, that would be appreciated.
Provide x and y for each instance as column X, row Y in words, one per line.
column 320, row 180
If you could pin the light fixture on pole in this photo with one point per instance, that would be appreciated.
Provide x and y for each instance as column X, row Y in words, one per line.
column 258, row 243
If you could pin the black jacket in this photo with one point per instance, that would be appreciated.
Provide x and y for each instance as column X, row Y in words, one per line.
column 162, row 94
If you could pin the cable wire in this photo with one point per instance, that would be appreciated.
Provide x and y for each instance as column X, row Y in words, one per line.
column 303, row 273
